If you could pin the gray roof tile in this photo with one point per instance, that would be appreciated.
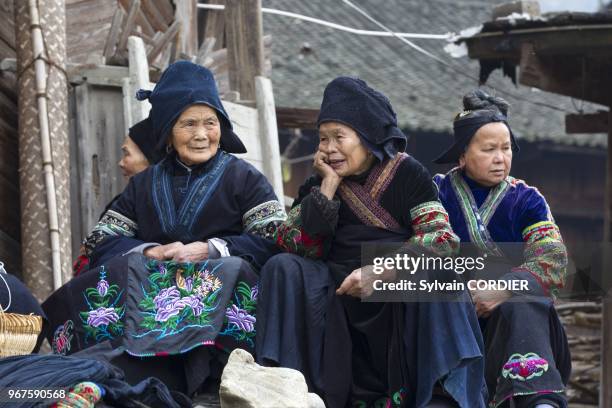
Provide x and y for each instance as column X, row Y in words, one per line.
column 425, row 94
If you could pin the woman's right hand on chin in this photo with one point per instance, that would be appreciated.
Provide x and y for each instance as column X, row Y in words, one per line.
column 331, row 179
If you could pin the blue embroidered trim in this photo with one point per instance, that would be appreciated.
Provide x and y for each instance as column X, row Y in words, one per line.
column 197, row 196
column 477, row 219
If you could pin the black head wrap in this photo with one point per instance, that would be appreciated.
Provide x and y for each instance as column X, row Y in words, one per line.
column 480, row 109
column 352, row 102
column 142, row 134
column 181, row 85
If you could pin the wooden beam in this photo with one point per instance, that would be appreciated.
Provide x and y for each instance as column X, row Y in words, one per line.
column 152, row 13
column 268, row 134
column 605, row 397
column 205, row 50
column 187, row 13
column 567, row 40
column 578, row 77
column 215, row 25
column 244, row 34
column 129, row 25
column 164, row 41
column 587, row 122
column 166, row 10
column 105, row 75
column 293, row 118
column 141, row 19
column 139, row 79
column 113, row 34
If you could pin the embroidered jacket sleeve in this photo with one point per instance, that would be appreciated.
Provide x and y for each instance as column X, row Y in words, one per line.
column 261, row 209
column 311, row 223
column 426, row 215
column 262, row 214
column 116, row 231
column 544, row 254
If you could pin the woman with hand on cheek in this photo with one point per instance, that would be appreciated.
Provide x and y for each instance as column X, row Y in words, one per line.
column 310, row 314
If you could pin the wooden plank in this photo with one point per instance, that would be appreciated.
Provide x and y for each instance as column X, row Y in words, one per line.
column 218, row 60
column 87, row 27
column 205, row 50
column 6, row 51
column 113, row 33
column 97, row 75
column 7, row 28
column 75, row 177
column 100, row 130
column 215, row 25
column 605, row 396
column 129, row 25
column 268, row 134
column 568, row 40
column 587, row 122
column 164, row 41
column 8, row 84
column 244, row 33
column 139, row 79
column 294, row 118
column 85, row 143
column 187, row 13
column 145, row 38
column 245, row 122
column 141, row 19
column 166, row 10
column 153, row 15
column 575, row 77
column 128, row 101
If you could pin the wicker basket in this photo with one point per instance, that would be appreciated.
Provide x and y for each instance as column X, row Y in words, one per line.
column 18, row 333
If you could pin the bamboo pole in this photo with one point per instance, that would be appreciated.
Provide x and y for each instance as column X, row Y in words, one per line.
column 36, row 166
column 40, row 68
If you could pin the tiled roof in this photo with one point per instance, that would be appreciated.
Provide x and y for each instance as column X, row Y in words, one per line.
column 425, row 94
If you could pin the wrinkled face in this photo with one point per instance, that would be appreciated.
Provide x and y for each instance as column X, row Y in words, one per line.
column 196, row 134
column 488, row 157
column 133, row 161
column 344, row 150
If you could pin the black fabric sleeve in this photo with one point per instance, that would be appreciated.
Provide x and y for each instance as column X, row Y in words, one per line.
column 415, row 187
column 319, row 214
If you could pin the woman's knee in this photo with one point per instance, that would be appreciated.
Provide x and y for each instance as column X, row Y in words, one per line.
column 282, row 264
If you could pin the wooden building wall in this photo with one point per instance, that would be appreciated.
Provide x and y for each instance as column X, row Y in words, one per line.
column 10, row 252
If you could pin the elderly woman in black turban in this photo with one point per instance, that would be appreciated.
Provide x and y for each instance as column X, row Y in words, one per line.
column 174, row 258
column 138, row 150
column 310, row 317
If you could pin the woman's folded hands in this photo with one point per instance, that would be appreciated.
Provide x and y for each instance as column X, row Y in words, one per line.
column 179, row 252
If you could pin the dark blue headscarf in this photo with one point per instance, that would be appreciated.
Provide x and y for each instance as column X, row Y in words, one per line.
column 352, row 102
column 468, row 122
column 181, row 85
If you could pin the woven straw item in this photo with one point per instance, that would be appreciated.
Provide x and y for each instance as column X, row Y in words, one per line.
column 18, row 333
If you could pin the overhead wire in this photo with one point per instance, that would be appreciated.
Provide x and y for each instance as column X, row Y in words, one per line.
column 337, row 26
column 387, row 32
column 445, row 63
